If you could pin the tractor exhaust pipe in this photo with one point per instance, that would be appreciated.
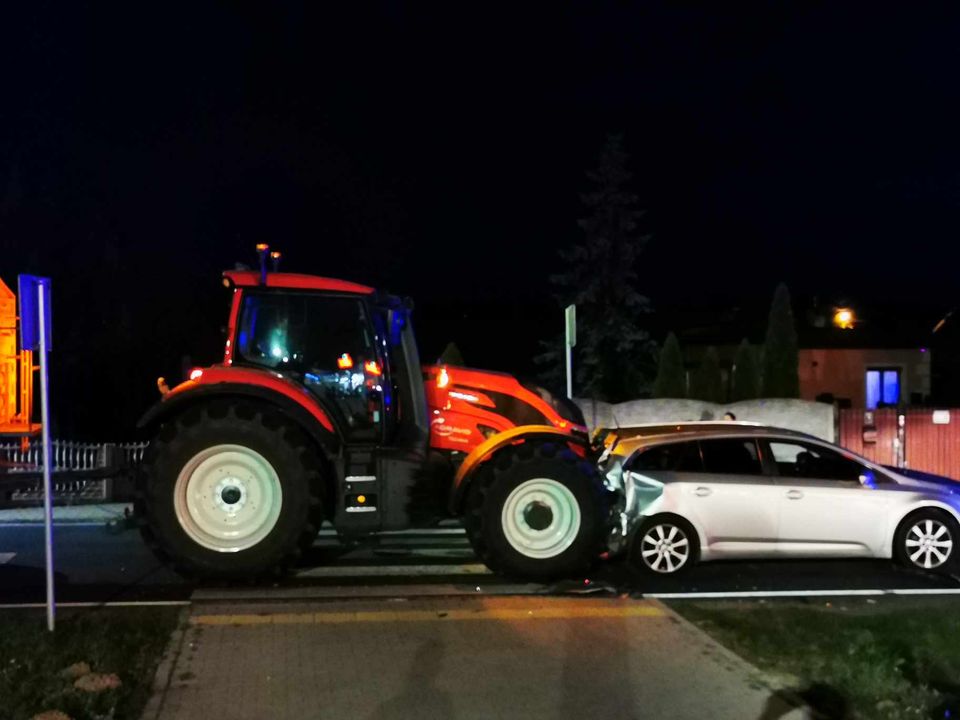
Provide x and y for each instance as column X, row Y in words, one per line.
column 262, row 250
column 275, row 257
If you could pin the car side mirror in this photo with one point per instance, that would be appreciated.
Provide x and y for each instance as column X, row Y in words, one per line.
column 868, row 479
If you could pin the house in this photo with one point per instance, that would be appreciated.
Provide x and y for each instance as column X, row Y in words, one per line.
column 865, row 377
column 871, row 358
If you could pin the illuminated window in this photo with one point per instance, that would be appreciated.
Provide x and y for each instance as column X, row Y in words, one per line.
column 883, row 386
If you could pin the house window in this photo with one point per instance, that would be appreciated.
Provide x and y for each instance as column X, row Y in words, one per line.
column 883, row 387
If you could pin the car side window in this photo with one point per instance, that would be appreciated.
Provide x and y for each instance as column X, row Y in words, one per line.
column 673, row 457
column 728, row 456
column 805, row 460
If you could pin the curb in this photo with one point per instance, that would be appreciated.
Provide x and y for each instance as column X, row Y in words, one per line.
column 69, row 514
column 56, row 521
column 164, row 675
column 792, row 705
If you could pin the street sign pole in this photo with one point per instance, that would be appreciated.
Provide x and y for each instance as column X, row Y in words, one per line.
column 47, row 455
column 570, row 316
column 36, row 335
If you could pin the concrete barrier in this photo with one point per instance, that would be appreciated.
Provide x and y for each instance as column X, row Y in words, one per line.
column 817, row 419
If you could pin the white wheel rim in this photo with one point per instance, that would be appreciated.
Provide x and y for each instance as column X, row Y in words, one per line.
column 929, row 544
column 541, row 518
column 227, row 498
column 665, row 548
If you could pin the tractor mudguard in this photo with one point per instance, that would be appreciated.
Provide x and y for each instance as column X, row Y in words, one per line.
column 486, row 449
column 303, row 408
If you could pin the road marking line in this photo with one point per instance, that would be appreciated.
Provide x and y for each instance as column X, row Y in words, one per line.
column 436, row 532
column 363, row 592
column 427, row 556
column 384, row 616
column 393, row 570
column 396, row 547
column 130, row 603
column 799, row 593
column 6, row 557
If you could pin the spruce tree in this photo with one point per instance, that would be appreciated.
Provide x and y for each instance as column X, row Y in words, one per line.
column 746, row 373
column 671, row 381
column 707, row 383
column 614, row 356
column 451, row 355
column 780, row 356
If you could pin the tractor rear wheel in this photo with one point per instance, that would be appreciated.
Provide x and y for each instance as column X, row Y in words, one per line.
column 537, row 511
column 229, row 491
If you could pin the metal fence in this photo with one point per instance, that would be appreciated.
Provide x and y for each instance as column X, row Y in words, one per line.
column 70, row 456
column 82, row 472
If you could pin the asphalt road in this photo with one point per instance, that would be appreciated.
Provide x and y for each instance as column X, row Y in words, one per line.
column 95, row 564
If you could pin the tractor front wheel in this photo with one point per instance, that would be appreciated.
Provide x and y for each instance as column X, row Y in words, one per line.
column 536, row 512
column 229, row 491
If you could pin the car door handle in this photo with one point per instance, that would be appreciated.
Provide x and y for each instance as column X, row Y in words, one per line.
column 794, row 494
column 702, row 491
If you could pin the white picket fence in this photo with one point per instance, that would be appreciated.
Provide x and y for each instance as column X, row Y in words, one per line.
column 70, row 456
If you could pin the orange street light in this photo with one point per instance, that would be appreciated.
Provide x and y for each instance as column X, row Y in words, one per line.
column 844, row 319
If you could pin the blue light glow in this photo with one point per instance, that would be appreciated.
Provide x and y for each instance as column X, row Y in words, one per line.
column 891, row 387
column 873, row 389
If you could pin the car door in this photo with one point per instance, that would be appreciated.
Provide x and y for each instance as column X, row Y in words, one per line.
column 830, row 504
column 733, row 500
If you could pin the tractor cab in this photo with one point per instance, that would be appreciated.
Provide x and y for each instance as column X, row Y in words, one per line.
column 350, row 347
column 353, row 350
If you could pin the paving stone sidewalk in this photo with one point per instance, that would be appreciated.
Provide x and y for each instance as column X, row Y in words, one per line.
column 520, row 657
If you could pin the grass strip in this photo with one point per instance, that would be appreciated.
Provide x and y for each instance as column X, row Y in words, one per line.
column 125, row 642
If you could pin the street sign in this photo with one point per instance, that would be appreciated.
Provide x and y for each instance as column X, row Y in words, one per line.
column 570, row 314
column 28, row 292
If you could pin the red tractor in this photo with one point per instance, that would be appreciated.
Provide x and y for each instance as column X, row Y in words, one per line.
column 321, row 411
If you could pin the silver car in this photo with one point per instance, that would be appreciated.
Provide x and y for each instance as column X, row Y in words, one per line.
column 745, row 491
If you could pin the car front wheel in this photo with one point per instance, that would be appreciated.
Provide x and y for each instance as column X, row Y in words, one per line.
column 927, row 541
column 664, row 545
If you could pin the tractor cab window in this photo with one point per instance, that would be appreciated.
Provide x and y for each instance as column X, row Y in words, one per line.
column 324, row 342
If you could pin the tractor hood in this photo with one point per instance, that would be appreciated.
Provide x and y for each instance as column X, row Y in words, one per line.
column 472, row 391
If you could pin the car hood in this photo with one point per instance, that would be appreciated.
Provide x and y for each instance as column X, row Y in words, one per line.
column 926, row 481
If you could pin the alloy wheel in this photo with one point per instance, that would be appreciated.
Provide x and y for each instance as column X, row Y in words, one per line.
column 665, row 548
column 929, row 543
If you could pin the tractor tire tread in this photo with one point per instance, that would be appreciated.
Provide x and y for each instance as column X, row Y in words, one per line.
column 173, row 435
column 495, row 471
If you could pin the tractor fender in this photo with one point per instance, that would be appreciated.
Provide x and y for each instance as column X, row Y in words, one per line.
column 489, row 448
column 305, row 410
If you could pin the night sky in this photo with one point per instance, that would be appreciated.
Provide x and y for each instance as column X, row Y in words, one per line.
column 440, row 153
